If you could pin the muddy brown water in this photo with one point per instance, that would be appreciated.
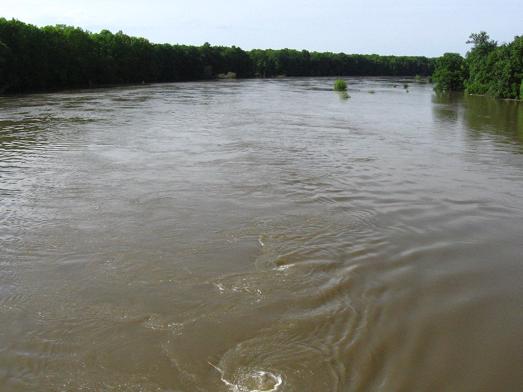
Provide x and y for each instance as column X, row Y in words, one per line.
column 261, row 235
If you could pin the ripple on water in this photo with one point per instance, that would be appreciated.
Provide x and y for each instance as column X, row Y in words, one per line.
column 297, row 243
column 251, row 380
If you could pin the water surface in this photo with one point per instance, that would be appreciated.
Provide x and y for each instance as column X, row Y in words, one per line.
column 261, row 235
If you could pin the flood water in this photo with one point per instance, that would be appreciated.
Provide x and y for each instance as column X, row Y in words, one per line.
column 261, row 235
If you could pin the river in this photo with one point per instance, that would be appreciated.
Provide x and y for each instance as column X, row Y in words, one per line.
column 261, row 235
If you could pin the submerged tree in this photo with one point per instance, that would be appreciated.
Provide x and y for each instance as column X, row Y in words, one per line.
column 489, row 68
column 478, row 63
column 495, row 70
column 450, row 73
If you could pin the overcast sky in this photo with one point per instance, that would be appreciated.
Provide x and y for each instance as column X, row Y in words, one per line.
column 413, row 27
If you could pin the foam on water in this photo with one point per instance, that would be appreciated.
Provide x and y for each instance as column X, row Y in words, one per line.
column 252, row 380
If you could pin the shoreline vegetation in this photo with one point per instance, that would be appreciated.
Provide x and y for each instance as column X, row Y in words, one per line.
column 53, row 58
column 63, row 57
column 487, row 69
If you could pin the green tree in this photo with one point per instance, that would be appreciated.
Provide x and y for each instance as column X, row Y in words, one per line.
column 450, row 73
column 494, row 70
column 480, row 72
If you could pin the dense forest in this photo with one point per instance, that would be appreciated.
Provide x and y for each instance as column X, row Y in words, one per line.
column 55, row 57
column 488, row 68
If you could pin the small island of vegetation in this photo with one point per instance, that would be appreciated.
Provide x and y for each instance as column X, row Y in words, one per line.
column 340, row 85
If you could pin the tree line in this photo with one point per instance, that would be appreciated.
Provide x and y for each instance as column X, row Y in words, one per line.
column 487, row 69
column 56, row 57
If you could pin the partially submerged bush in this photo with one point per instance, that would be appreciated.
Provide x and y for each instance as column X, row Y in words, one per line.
column 344, row 95
column 228, row 75
column 340, row 85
